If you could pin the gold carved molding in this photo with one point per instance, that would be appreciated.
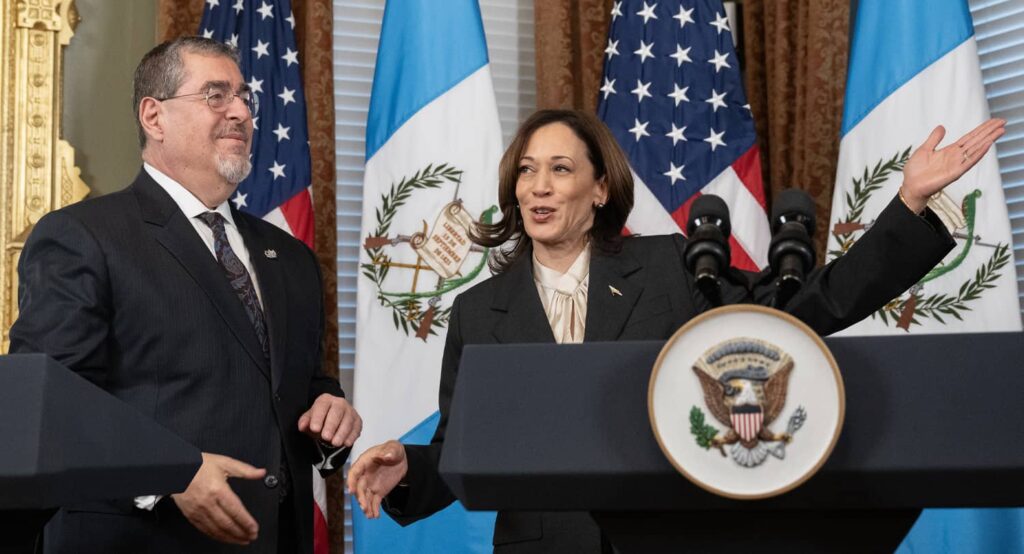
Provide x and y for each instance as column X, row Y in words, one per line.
column 37, row 167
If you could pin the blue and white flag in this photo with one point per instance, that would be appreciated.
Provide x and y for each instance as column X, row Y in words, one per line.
column 433, row 142
column 914, row 65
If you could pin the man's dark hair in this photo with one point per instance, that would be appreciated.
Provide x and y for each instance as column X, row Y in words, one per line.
column 162, row 70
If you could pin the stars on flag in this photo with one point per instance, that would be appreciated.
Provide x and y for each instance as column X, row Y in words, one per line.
column 717, row 100
column 608, row 87
column 261, row 49
column 641, row 91
column 676, row 134
column 679, row 94
column 292, row 57
column 682, row 55
column 684, row 16
column 282, row 132
column 277, row 170
column 682, row 51
column 721, row 23
column 648, row 12
column 675, row 173
column 287, row 95
column 265, row 11
column 640, row 129
column 715, row 139
column 270, row 66
column 616, row 10
column 719, row 61
column 613, row 48
column 644, row 51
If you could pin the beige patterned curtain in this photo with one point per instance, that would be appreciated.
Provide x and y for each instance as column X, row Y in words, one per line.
column 795, row 55
column 313, row 34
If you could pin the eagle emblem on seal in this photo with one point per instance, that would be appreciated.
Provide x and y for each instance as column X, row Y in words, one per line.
column 745, row 382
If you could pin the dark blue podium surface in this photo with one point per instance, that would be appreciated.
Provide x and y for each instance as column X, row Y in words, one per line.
column 931, row 421
column 64, row 440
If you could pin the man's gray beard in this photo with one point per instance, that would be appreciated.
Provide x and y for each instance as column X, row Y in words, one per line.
column 233, row 169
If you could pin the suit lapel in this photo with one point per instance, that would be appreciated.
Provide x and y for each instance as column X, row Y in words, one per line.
column 270, row 276
column 176, row 234
column 610, row 297
column 516, row 296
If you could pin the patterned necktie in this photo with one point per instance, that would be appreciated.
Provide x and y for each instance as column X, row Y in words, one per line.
column 239, row 278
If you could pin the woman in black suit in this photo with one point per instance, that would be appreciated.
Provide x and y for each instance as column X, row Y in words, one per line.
column 565, row 274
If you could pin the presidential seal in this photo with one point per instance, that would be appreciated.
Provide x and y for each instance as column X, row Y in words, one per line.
column 745, row 382
column 773, row 392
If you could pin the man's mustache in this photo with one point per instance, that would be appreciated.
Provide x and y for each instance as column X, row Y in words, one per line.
column 235, row 131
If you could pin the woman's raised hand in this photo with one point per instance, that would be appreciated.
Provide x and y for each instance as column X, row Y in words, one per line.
column 930, row 170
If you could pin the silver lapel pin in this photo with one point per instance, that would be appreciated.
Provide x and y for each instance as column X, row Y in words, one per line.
column 615, row 291
column 270, row 253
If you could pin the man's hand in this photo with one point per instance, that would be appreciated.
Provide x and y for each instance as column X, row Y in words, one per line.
column 375, row 474
column 332, row 420
column 212, row 507
column 930, row 170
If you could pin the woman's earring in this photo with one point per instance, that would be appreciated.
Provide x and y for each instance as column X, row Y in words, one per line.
column 599, row 205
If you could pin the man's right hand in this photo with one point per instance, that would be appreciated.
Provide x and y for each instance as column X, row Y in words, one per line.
column 375, row 474
column 212, row 507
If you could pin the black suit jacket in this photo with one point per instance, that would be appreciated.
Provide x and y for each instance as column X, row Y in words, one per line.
column 122, row 290
column 657, row 297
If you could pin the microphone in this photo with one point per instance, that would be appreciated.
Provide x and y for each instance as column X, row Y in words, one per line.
column 707, row 250
column 791, row 252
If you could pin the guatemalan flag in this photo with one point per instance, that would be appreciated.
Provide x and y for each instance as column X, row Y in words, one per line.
column 673, row 97
column 433, row 142
column 277, row 190
column 914, row 65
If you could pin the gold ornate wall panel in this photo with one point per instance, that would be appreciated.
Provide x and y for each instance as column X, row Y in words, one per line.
column 37, row 167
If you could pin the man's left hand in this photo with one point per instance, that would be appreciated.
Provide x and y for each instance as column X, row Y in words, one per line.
column 331, row 419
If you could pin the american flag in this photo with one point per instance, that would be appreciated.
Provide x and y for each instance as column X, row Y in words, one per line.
column 673, row 97
column 277, row 190
column 264, row 34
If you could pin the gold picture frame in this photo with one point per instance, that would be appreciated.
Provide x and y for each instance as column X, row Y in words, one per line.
column 37, row 167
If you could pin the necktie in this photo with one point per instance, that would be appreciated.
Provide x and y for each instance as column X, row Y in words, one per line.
column 239, row 278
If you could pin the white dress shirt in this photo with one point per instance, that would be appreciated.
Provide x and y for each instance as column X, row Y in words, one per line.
column 192, row 207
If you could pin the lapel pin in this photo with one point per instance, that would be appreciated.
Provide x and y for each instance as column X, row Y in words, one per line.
column 270, row 253
column 615, row 291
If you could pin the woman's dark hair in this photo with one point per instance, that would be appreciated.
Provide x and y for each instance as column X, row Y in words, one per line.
column 508, row 237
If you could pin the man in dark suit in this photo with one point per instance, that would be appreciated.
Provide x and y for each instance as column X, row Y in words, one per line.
column 205, row 319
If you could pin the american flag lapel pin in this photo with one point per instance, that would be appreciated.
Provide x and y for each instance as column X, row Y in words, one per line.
column 270, row 253
column 614, row 291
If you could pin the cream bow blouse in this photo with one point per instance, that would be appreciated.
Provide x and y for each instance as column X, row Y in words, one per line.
column 564, row 296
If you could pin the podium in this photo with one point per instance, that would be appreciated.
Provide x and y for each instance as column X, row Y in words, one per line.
column 65, row 441
column 931, row 421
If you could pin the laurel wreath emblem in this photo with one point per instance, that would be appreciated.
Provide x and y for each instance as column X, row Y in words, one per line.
column 933, row 306
column 407, row 313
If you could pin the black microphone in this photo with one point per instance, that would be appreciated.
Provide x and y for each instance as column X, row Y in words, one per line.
column 707, row 250
column 791, row 252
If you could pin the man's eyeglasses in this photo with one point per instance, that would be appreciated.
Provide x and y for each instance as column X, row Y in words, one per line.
column 219, row 98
